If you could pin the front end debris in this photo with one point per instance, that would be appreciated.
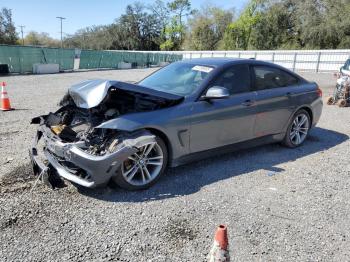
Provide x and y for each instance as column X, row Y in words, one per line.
column 69, row 144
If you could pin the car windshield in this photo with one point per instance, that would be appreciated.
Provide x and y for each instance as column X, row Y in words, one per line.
column 178, row 78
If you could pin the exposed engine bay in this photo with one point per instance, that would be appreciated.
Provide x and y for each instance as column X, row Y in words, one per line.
column 72, row 123
column 74, row 144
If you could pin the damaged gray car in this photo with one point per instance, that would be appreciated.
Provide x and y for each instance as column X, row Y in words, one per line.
column 129, row 133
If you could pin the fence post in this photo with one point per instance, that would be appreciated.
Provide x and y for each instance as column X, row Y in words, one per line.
column 201, row 55
column 225, row 54
column 273, row 57
column 212, row 54
column 318, row 62
column 20, row 60
column 190, row 55
column 255, row 55
column 294, row 61
column 99, row 63
column 239, row 54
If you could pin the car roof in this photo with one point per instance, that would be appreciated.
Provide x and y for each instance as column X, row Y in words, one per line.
column 214, row 62
column 222, row 61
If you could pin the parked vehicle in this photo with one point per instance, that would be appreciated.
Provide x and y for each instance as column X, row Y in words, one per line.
column 130, row 133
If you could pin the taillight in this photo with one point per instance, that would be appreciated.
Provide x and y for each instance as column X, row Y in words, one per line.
column 319, row 92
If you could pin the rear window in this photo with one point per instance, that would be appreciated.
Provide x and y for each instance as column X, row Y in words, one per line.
column 269, row 77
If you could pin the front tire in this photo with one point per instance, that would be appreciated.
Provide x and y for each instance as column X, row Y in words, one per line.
column 144, row 168
column 298, row 129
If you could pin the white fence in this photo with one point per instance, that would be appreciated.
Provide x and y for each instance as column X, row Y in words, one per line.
column 301, row 60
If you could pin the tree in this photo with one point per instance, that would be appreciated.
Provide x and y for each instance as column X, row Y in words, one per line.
column 172, row 35
column 238, row 34
column 141, row 29
column 274, row 29
column 8, row 34
column 207, row 28
column 263, row 24
column 137, row 29
column 160, row 9
column 181, row 9
column 40, row 39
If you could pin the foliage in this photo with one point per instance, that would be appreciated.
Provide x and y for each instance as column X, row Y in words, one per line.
column 8, row 33
column 175, row 29
column 174, row 25
column 173, row 33
column 207, row 28
column 40, row 39
column 273, row 29
column 238, row 34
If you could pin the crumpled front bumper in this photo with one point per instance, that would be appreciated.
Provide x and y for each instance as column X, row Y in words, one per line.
column 97, row 170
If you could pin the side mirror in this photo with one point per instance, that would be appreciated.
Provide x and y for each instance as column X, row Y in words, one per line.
column 216, row 92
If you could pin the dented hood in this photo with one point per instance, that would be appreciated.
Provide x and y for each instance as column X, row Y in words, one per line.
column 91, row 93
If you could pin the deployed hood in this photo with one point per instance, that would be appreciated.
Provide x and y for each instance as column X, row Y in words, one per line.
column 91, row 93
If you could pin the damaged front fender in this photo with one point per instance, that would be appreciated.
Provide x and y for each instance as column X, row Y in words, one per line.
column 96, row 170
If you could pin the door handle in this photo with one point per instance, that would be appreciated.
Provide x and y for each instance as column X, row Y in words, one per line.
column 289, row 93
column 248, row 103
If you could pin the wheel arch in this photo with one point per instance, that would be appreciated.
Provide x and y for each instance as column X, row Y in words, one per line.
column 304, row 107
column 309, row 111
column 165, row 139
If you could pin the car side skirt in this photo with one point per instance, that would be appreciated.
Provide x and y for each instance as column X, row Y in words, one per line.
column 227, row 149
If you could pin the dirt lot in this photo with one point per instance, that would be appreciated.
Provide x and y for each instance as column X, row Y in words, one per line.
column 279, row 204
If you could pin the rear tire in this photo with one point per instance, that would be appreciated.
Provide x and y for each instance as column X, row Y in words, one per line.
column 142, row 170
column 298, row 129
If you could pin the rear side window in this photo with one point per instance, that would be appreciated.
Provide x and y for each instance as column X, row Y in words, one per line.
column 236, row 79
column 269, row 77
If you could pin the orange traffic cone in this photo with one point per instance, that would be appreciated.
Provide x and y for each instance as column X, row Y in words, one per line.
column 219, row 251
column 5, row 100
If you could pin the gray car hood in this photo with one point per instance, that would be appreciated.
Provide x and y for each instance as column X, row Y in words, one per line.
column 91, row 93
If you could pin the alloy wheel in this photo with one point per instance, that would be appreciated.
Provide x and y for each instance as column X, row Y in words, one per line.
column 299, row 130
column 144, row 166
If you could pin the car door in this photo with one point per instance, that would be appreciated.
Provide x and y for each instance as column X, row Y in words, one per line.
column 274, row 88
column 221, row 122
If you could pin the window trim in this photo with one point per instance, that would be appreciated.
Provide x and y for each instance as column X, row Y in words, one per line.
column 253, row 77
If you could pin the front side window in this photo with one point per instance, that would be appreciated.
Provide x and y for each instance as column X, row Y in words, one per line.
column 269, row 77
column 178, row 78
column 236, row 79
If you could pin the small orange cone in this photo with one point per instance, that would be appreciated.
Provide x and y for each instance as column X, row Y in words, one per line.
column 5, row 100
column 219, row 251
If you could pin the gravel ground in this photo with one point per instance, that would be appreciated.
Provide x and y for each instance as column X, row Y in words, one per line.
column 279, row 204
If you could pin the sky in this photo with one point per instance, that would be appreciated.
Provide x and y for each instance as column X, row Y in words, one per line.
column 40, row 15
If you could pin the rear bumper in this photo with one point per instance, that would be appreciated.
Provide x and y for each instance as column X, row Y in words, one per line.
column 317, row 107
column 93, row 171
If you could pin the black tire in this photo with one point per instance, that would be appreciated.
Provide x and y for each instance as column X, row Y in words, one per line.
column 287, row 141
column 123, row 183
